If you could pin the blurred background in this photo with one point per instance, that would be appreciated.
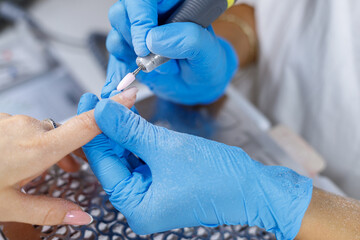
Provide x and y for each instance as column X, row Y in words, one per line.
column 53, row 51
column 48, row 45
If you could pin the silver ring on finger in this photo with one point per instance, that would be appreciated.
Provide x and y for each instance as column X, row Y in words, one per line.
column 52, row 123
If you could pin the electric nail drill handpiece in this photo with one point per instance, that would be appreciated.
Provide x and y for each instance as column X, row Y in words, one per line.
column 202, row 12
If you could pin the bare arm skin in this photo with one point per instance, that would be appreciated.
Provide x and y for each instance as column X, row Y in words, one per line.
column 234, row 33
column 330, row 217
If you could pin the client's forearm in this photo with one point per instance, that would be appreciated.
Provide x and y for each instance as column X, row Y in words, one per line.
column 330, row 217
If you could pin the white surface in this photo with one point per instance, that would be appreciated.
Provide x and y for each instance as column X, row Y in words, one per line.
column 259, row 120
column 25, row 99
column 76, row 19
column 309, row 77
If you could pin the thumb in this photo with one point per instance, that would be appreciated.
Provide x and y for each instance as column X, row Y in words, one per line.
column 181, row 41
column 42, row 210
column 130, row 130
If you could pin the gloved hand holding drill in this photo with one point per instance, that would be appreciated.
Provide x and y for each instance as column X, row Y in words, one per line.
column 195, row 77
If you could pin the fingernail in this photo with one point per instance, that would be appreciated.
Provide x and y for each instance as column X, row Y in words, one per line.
column 77, row 218
column 129, row 93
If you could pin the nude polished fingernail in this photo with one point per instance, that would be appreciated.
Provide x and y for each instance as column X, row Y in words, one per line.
column 77, row 218
column 129, row 93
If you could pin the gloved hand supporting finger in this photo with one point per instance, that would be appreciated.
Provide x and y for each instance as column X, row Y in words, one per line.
column 110, row 165
column 128, row 129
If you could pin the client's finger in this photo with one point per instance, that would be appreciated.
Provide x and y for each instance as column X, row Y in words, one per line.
column 29, row 179
column 4, row 116
column 80, row 153
column 109, row 167
column 42, row 210
column 77, row 131
column 49, row 124
column 69, row 164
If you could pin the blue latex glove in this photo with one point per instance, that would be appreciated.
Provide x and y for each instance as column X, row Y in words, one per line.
column 104, row 151
column 190, row 181
column 205, row 62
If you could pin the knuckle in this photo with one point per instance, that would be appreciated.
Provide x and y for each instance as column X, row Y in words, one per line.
column 191, row 42
column 23, row 120
column 34, row 148
column 4, row 115
column 113, row 42
column 193, row 39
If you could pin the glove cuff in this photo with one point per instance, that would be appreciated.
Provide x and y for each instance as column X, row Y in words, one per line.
column 286, row 196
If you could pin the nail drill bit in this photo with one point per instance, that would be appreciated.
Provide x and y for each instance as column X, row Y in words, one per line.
column 128, row 79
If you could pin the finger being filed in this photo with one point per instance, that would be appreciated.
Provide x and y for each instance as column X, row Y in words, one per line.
column 78, row 131
column 4, row 116
column 42, row 210
column 126, row 98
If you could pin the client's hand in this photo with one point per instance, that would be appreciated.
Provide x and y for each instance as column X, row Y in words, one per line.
column 188, row 181
column 27, row 148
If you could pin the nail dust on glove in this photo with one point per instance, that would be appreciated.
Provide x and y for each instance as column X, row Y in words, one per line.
column 190, row 181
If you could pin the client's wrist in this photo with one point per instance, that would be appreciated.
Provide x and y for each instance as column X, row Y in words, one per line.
column 237, row 26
